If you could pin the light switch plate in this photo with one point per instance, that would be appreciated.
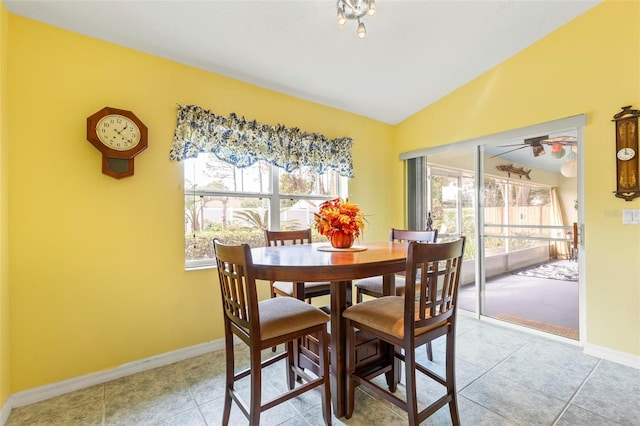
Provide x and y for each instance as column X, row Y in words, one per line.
column 631, row 217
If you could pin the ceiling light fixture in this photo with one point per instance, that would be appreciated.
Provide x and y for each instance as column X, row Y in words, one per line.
column 355, row 10
column 570, row 168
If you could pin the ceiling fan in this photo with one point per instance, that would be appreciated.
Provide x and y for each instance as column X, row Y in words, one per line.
column 537, row 144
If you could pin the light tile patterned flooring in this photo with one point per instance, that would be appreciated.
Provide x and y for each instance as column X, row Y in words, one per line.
column 504, row 377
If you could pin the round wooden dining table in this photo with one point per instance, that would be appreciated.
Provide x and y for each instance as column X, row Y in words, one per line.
column 302, row 263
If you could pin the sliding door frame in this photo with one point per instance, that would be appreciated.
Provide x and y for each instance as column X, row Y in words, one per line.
column 577, row 123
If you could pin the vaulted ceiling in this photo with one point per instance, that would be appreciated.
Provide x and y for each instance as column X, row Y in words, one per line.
column 415, row 52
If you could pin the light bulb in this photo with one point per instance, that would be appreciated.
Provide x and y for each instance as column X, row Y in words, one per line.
column 558, row 153
column 569, row 169
column 341, row 19
column 362, row 31
column 372, row 8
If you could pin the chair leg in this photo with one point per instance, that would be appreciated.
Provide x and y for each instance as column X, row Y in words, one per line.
column 451, row 377
column 323, row 338
column 429, row 352
column 351, row 363
column 358, row 295
column 230, row 367
column 291, row 374
column 297, row 350
column 410, row 373
column 256, row 388
column 395, row 374
column 273, row 294
column 453, row 410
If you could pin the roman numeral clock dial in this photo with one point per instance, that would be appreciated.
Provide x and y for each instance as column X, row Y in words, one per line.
column 119, row 135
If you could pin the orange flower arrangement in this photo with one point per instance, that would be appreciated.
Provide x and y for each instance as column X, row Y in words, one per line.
column 339, row 216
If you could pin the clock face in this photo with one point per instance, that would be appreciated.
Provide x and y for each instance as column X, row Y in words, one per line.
column 626, row 154
column 118, row 132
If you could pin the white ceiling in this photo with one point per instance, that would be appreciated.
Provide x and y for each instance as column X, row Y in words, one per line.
column 415, row 52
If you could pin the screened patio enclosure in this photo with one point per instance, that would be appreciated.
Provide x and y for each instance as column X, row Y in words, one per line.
column 521, row 259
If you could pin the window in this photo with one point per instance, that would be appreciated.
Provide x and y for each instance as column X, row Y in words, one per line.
column 236, row 204
column 242, row 177
column 450, row 200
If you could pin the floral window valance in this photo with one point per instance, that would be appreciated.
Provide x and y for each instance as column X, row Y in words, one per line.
column 240, row 142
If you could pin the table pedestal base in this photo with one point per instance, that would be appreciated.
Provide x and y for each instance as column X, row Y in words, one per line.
column 372, row 355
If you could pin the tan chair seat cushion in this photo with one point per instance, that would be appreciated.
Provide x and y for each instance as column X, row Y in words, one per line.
column 287, row 287
column 385, row 314
column 374, row 285
column 284, row 315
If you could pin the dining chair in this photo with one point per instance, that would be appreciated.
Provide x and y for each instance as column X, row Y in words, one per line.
column 262, row 325
column 302, row 291
column 425, row 312
column 373, row 286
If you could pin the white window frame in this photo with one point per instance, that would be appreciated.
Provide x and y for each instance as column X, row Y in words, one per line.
column 274, row 196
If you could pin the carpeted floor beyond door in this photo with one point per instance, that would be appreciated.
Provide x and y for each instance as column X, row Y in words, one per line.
column 548, row 304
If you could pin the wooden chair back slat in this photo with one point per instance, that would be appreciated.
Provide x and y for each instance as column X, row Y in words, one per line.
column 237, row 285
column 408, row 235
column 281, row 238
column 433, row 276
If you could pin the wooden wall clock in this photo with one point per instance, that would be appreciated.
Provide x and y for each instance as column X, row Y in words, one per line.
column 627, row 163
column 119, row 135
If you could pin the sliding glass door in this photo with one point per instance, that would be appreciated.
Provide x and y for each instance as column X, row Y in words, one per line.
column 450, row 199
column 520, row 259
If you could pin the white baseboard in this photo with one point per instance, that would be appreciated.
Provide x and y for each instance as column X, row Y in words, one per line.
column 41, row 393
column 6, row 410
column 611, row 355
column 589, row 349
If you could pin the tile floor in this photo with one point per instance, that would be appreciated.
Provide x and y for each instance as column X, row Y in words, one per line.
column 504, row 377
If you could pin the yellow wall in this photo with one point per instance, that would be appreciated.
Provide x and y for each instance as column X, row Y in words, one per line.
column 592, row 66
column 4, row 239
column 96, row 267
